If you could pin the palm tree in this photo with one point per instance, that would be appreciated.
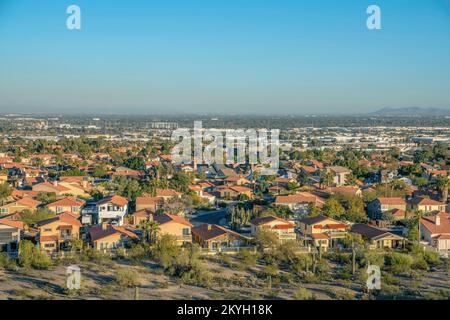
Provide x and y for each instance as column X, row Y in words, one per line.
column 153, row 229
column 442, row 184
column 150, row 229
column 419, row 215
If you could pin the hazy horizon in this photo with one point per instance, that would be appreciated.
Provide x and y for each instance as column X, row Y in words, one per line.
column 223, row 57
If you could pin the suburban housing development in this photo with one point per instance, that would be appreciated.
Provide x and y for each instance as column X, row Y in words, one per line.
column 341, row 199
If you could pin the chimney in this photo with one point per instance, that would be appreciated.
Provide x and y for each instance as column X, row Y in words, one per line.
column 104, row 225
column 209, row 227
column 438, row 220
column 55, row 183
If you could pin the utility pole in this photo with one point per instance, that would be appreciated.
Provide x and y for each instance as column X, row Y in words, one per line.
column 136, row 293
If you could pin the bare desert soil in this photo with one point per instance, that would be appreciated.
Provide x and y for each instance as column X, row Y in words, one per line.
column 232, row 282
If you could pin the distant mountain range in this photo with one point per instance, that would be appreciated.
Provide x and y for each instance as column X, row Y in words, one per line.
column 412, row 111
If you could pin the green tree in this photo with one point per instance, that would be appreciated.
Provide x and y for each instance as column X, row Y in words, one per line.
column 5, row 191
column 135, row 163
column 442, row 184
column 333, row 208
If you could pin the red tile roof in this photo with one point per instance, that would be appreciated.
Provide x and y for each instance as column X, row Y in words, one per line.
column 66, row 202
column 148, row 200
column 429, row 222
column 212, row 231
column 295, row 199
column 426, row 202
column 29, row 202
column 97, row 232
column 63, row 217
column 117, row 200
column 166, row 218
column 392, row 201
column 11, row 223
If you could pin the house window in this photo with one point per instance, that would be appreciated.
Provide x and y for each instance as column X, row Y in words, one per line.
column 74, row 209
column 186, row 231
column 47, row 230
column 59, row 209
column 49, row 245
column 4, row 210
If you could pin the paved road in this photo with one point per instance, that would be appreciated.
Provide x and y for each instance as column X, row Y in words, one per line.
column 211, row 217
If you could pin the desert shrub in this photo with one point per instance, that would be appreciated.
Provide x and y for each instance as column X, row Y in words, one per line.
column 165, row 250
column 6, row 262
column 323, row 268
column 345, row 273
column 225, row 260
column 392, row 291
column 266, row 239
column 389, row 279
column 162, row 285
column 182, row 263
column 286, row 252
column 302, row 263
column 96, row 256
column 420, row 263
column 432, row 258
column 399, row 262
column 270, row 270
column 370, row 257
column 31, row 257
column 248, row 258
column 127, row 278
column 76, row 245
column 194, row 273
column 303, row 294
column 340, row 257
column 137, row 253
column 441, row 294
column 343, row 294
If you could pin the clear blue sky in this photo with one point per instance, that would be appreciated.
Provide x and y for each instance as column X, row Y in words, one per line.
column 223, row 56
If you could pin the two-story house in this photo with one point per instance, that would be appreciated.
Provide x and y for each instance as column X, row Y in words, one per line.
column 380, row 205
column 112, row 210
column 425, row 205
column 55, row 233
column 435, row 230
column 339, row 175
column 150, row 203
column 176, row 226
column 299, row 203
column 322, row 231
column 10, row 232
column 283, row 229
